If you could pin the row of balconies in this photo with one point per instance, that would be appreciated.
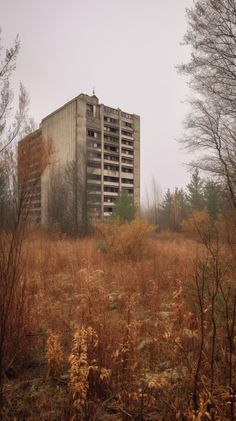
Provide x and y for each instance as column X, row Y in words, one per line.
column 109, row 172
column 97, row 157
column 112, row 183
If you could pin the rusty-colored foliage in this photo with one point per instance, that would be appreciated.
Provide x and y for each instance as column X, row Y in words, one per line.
column 119, row 330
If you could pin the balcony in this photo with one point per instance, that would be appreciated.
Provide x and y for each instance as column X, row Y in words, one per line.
column 111, row 159
column 106, row 202
column 127, row 152
column 127, row 133
column 127, row 175
column 111, row 183
column 94, row 146
column 94, row 182
column 110, row 193
column 95, row 171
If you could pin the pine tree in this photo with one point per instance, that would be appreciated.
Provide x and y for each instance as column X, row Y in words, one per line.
column 166, row 210
column 124, row 208
column 195, row 198
column 214, row 198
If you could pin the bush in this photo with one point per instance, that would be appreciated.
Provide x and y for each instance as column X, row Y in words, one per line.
column 126, row 239
column 200, row 226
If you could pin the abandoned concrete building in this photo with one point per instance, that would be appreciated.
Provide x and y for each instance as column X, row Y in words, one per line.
column 77, row 162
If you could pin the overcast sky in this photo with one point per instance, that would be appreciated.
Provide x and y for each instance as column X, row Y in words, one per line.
column 126, row 49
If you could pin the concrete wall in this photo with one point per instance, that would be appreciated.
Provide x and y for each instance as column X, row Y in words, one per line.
column 136, row 135
column 58, row 129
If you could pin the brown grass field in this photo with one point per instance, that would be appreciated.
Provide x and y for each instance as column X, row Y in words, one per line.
column 117, row 331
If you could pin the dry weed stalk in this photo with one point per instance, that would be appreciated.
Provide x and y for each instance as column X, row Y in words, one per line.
column 85, row 340
column 54, row 354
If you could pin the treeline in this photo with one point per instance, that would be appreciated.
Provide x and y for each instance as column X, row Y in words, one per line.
column 177, row 205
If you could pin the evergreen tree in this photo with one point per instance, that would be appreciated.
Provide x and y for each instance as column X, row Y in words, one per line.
column 124, row 208
column 214, row 198
column 166, row 211
column 173, row 210
column 195, row 199
column 178, row 209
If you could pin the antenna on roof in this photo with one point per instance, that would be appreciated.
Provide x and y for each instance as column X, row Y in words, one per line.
column 93, row 90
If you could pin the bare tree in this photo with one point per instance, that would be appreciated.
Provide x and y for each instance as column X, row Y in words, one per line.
column 13, row 295
column 211, row 129
column 13, row 218
column 211, row 125
column 67, row 198
column 11, row 124
column 151, row 208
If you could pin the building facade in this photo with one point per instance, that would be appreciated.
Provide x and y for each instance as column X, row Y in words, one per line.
column 93, row 153
column 29, row 157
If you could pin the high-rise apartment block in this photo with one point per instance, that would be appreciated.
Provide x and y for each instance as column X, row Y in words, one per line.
column 91, row 152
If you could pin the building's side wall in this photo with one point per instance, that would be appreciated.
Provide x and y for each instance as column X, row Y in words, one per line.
column 58, row 134
column 80, row 162
column 29, row 168
column 136, row 136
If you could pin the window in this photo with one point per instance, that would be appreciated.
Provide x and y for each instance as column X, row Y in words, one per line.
column 111, row 129
column 128, row 170
column 94, row 145
column 127, row 151
column 127, row 181
column 93, row 133
column 127, row 142
column 125, row 133
column 126, row 124
column 111, row 120
column 110, row 139
column 126, row 115
column 111, row 148
column 109, row 199
column 111, row 167
column 111, row 179
column 94, row 164
column 109, row 110
column 127, row 161
column 111, row 158
column 111, row 189
column 89, row 109
column 106, row 209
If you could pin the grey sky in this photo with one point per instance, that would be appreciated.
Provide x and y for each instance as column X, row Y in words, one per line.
column 127, row 49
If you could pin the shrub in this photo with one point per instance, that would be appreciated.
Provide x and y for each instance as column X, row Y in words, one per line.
column 126, row 239
column 200, row 226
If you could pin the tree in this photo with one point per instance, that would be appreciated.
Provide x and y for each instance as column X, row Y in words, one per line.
column 10, row 125
column 68, row 198
column 178, row 209
column 124, row 208
column 214, row 198
column 13, row 218
column 173, row 210
column 195, row 191
column 211, row 129
column 211, row 125
column 152, row 206
column 166, row 210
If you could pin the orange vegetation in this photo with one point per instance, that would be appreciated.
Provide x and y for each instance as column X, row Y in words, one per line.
column 116, row 330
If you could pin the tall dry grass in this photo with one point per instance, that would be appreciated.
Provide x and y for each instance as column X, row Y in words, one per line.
column 115, row 335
